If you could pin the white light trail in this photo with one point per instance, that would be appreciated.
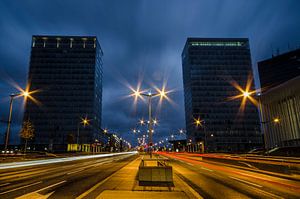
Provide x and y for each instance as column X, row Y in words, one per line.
column 58, row 160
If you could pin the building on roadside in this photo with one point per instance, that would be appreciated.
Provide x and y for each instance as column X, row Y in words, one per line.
column 114, row 143
column 209, row 64
column 280, row 99
column 67, row 71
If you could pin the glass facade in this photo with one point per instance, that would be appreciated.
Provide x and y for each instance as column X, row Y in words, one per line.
column 67, row 71
column 208, row 67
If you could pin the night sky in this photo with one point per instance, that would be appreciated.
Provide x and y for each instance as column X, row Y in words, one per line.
column 141, row 40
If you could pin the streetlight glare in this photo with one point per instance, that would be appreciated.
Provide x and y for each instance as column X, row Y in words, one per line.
column 142, row 122
column 276, row 120
column 137, row 93
column 25, row 94
column 246, row 94
column 85, row 121
column 162, row 93
column 198, row 122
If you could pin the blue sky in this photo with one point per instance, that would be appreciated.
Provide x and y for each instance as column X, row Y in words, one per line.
column 139, row 38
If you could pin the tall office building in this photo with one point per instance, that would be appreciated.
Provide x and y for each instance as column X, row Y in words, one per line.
column 280, row 80
column 67, row 71
column 209, row 65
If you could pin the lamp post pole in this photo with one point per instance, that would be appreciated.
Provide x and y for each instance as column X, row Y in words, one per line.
column 150, row 127
column 78, row 129
column 150, row 120
column 83, row 121
column 205, row 138
column 262, row 119
column 149, row 95
column 12, row 96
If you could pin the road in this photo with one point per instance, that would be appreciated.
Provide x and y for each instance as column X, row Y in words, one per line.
column 215, row 180
column 63, row 179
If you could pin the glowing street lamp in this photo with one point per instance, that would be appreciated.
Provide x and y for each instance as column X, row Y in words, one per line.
column 247, row 94
column 85, row 122
column 142, row 122
column 198, row 122
column 23, row 93
column 139, row 94
column 276, row 120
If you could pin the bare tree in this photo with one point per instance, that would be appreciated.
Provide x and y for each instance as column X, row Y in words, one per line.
column 27, row 132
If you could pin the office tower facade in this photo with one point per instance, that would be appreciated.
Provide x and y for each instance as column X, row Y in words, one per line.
column 280, row 99
column 279, row 69
column 209, row 65
column 67, row 73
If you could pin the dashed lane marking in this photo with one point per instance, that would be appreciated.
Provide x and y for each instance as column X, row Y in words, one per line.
column 29, row 185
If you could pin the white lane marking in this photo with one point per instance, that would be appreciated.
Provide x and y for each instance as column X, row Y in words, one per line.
column 2, row 185
column 20, row 187
column 102, row 163
column 244, row 181
column 206, row 169
column 57, row 160
column 35, row 194
column 51, row 186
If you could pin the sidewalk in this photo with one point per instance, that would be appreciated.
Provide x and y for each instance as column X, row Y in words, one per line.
column 124, row 184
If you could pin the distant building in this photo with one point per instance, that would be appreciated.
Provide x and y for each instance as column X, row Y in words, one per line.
column 279, row 69
column 280, row 99
column 208, row 67
column 68, row 72
column 114, row 143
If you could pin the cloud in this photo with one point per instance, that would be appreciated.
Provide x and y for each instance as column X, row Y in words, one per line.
column 140, row 39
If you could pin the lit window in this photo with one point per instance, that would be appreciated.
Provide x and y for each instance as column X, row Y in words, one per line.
column 84, row 40
column 44, row 38
column 33, row 42
column 57, row 42
column 71, row 42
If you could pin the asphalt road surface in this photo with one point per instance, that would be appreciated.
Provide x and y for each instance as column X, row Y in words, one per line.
column 213, row 180
column 66, row 179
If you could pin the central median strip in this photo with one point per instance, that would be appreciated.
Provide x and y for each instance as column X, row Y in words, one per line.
column 58, row 160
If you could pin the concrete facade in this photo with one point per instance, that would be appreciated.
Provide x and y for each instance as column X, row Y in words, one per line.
column 282, row 102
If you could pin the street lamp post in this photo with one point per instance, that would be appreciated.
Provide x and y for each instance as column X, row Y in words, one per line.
column 83, row 121
column 198, row 122
column 247, row 94
column 150, row 95
column 12, row 96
